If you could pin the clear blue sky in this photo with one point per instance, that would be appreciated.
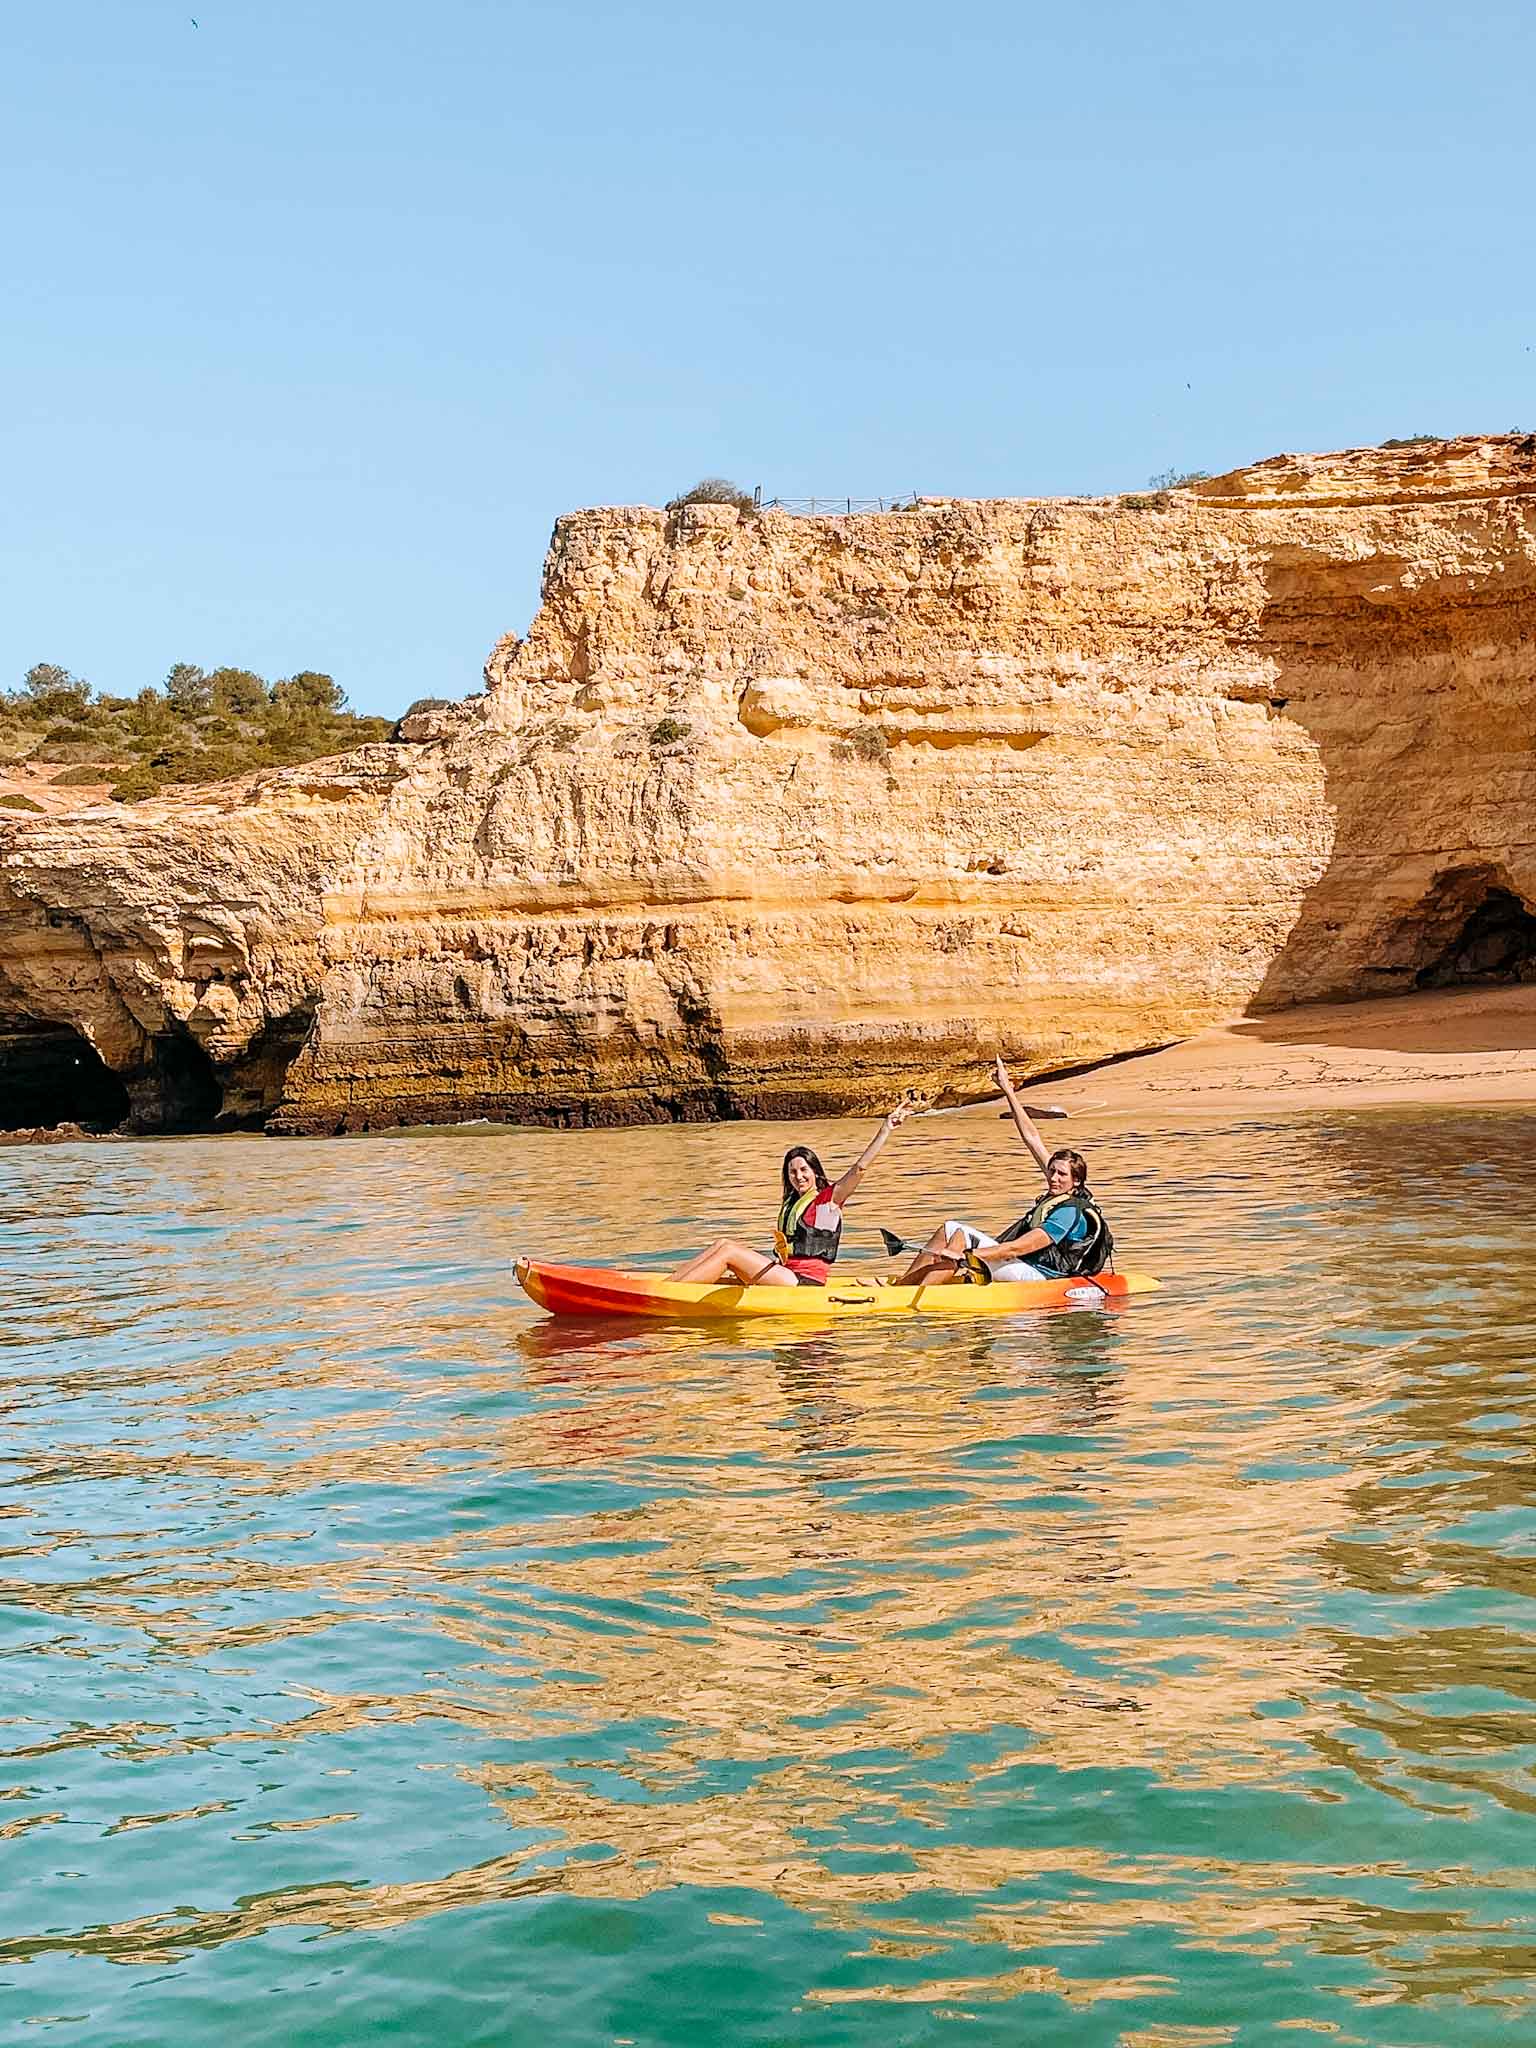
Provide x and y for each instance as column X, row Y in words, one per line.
column 319, row 312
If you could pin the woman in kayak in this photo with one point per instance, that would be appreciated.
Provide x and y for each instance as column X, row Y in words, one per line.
column 1057, row 1235
column 810, row 1223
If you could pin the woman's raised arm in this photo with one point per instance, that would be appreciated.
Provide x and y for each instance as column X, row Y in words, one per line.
column 842, row 1193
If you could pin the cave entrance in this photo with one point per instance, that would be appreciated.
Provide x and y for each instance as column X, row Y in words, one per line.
column 178, row 1089
column 1496, row 943
column 50, row 1075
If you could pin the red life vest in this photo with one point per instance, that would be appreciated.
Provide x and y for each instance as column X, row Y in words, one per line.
column 809, row 1230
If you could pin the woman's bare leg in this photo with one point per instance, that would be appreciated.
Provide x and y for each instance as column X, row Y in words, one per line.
column 725, row 1255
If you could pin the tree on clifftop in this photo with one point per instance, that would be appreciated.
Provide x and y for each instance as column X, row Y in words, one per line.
column 54, row 689
column 201, row 726
column 309, row 690
column 237, row 692
column 187, row 688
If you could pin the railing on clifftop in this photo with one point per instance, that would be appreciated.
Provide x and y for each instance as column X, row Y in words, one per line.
column 823, row 508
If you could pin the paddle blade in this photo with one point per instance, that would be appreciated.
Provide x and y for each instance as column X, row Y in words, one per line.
column 893, row 1243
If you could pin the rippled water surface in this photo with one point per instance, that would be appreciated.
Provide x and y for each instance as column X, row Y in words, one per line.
column 383, row 1661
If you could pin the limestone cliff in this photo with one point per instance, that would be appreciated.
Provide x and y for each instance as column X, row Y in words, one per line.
column 771, row 813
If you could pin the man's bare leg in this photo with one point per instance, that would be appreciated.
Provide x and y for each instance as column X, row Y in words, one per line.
column 931, row 1262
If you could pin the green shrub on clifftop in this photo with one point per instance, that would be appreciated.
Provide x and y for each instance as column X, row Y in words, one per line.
column 202, row 726
column 715, row 490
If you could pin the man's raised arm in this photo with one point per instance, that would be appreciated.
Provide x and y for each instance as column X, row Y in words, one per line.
column 1023, row 1121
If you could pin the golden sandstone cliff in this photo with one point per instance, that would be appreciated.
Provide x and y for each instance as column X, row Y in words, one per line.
column 771, row 813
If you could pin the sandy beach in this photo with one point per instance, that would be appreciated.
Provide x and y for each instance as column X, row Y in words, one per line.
column 1451, row 1046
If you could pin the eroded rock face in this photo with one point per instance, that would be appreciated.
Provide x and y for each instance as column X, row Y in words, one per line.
column 163, row 960
column 770, row 814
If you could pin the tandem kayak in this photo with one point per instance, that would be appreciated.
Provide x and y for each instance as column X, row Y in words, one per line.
column 595, row 1291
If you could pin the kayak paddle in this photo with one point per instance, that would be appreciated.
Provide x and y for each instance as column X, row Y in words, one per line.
column 1042, row 1110
column 974, row 1269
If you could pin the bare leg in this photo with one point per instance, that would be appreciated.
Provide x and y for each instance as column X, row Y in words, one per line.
column 726, row 1256
column 928, row 1265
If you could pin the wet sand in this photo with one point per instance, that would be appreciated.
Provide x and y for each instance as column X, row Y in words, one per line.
column 1448, row 1047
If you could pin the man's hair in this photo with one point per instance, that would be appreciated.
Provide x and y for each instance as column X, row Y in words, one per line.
column 1075, row 1160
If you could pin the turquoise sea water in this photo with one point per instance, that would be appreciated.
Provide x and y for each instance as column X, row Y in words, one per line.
column 383, row 1662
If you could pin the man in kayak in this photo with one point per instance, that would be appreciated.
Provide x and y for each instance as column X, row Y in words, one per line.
column 809, row 1228
column 1064, row 1232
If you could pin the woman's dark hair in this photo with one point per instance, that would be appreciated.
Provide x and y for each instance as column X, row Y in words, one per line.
column 1075, row 1160
column 802, row 1152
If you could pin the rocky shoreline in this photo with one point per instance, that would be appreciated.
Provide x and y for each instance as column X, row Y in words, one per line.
column 1451, row 1050
column 49, row 1134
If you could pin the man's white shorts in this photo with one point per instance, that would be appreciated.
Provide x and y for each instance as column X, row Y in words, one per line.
column 1010, row 1269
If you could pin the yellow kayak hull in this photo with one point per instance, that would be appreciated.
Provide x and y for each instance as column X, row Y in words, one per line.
column 595, row 1291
